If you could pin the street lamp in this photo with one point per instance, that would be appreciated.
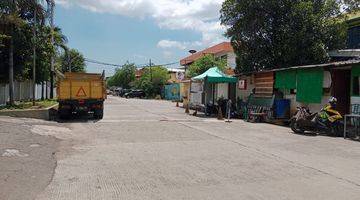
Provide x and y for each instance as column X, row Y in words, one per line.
column 192, row 51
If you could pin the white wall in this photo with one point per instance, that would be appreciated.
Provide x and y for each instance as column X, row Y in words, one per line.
column 22, row 91
column 314, row 107
column 231, row 60
column 196, row 90
column 195, row 98
column 222, row 90
column 244, row 94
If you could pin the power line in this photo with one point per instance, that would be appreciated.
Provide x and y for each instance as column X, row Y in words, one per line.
column 101, row 63
column 118, row 65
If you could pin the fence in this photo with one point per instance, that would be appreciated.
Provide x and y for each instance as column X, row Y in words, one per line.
column 23, row 91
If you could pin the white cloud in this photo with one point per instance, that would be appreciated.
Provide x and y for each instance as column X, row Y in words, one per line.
column 64, row 3
column 165, row 44
column 201, row 16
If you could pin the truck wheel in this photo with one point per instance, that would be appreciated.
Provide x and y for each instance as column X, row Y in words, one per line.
column 63, row 114
column 98, row 114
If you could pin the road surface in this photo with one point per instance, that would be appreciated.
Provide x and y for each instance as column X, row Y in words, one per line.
column 147, row 149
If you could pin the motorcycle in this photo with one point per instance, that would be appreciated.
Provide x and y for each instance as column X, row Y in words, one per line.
column 322, row 122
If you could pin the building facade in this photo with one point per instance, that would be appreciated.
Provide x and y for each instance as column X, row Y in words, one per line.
column 223, row 50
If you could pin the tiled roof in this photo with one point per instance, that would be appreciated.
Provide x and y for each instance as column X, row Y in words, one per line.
column 224, row 47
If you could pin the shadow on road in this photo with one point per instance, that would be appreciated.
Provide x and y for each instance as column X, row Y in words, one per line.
column 78, row 118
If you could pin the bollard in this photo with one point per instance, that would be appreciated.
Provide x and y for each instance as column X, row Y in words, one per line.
column 195, row 113
column 177, row 104
column 228, row 110
column 220, row 115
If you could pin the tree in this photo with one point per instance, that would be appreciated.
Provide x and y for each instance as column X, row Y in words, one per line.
column 153, row 80
column 268, row 34
column 13, row 16
column 124, row 76
column 72, row 61
column 203, row 64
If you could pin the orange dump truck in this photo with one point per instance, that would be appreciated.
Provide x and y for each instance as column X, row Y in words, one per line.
column 81, row 92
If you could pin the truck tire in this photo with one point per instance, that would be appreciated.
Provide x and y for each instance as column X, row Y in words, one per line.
column 99, row 114
column 63, row 114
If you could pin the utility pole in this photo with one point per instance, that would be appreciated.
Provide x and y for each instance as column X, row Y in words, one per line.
column 151, row 76
column 52, row 62
column 11, row 66
column 11, row 59
column 69, row 63
column 34, row 56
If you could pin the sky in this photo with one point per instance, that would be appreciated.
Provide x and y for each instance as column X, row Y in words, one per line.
column 117, row 31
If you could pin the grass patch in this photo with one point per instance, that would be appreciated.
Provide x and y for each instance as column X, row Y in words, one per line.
column 29, row 105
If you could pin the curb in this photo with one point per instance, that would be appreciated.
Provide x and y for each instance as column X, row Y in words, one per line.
column 45, row 114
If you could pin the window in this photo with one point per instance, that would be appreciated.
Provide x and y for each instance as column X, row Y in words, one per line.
column 354, row 38
column 356, row 86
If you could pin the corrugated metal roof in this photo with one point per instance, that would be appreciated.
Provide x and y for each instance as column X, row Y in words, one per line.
column 332, row 64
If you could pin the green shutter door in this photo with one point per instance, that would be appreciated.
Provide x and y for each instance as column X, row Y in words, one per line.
column 285, row 79
column 310, row 85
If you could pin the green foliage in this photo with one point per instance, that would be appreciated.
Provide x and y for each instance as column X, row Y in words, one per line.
column 124, row 76
column 74, row 59
column 153, row 80
column 203, row 64
column 268, row 34
column 16, row 22
column 23, row 54
column 29, row 105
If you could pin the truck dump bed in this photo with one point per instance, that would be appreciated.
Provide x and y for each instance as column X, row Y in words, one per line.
column 81, row 86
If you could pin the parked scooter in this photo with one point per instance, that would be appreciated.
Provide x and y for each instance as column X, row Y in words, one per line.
column 328, row 120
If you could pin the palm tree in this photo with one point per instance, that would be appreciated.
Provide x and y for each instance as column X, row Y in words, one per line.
column 51, row 10
column 15, row 13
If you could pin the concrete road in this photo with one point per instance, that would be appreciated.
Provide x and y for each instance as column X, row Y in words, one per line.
column 145, row 149
column 27, row 160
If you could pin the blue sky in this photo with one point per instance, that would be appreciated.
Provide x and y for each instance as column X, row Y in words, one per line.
column 116, row 31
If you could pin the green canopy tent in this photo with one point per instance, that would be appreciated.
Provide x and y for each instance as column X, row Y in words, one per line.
column 213, row 76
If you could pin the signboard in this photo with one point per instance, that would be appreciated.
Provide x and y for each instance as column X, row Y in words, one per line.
column 196, row 87
column 242, row 84
column 81, row 92
column 180, row 76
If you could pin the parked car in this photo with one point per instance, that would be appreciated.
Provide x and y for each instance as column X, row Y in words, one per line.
column 117, row 91
column 123, row 92
column 135, row 94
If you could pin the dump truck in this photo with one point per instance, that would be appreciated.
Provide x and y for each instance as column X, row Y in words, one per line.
column 81, row 93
